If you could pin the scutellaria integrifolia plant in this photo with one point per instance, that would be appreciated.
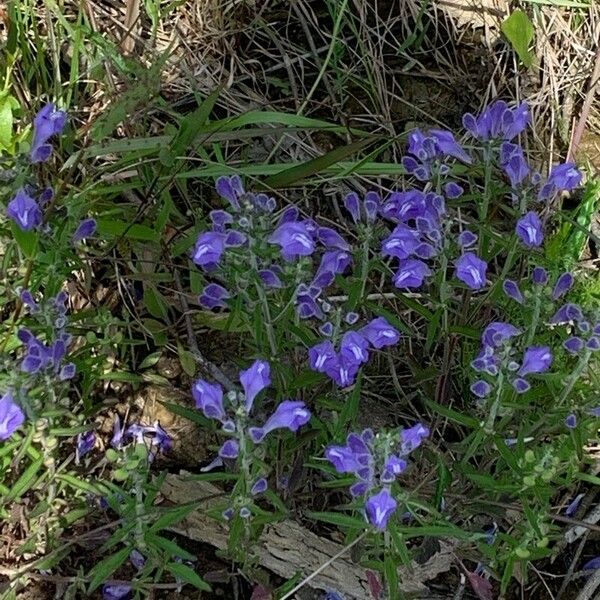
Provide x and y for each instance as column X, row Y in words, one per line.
column 451, row 241
column 243, row 447
column 376, row 460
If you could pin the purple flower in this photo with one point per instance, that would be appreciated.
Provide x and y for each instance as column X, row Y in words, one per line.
column 593, row 343
column 354, row 347
column 230, row 188
column 160, row 437
column 471, row 270
column 330, row 238
column 380, row 508
column 481, row 388
column 537, row 359
column 333, row 262
column 371, row 205
column 230, row 449
column 453, row 190
column 342, row 370
column 563, row 178
column 498, row 121
column 259, row 487
column 137, row 559
column 496, row 333
column 393, row 467
column 235, row 239
column 573, row 345
column 401, row 243
column 270, row 278
column 591, row 565
column 350, row 458
column 352, row 204
column 48, row 122
column 29, row 301
column 512, row 161
column 322, row 356
column 574, row 505
column 213, row 296
column 567, row 313
column 116, row 591
column 209, row 249
column 511, row 289
column 466, row 238
column 380, row 333
column 118, row 433
column 571, row 421
column 446, row 144
column 294, row 239
column 11, row 416
column 209, row 399
column 85, row 443
column 254, row 380
column 539, row 276
column 67, row 372
column 529, row 230
column 413, row 437
column 86, row 229
column 411, row 273
column 351, row 318
column 219, row 219
column 563, row 285
column 24, row 211
column 521, row 385
column 290, row 414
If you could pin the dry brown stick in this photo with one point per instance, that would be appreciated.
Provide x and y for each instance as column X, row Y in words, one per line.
column 198, row 356
column 585, row 109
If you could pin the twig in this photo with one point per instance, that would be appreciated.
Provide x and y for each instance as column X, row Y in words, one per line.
column 216, row 373
column 323, row 566
column 585, row 109
column 587, row 593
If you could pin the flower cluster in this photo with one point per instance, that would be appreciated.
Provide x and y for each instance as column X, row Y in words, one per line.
column 343, row 365
column 499, row 355
column 47, row 358
column 42, row 362
column 376, row 460
column 241, row 233
column 26, row 207
column 137, row 433
column 235, row 419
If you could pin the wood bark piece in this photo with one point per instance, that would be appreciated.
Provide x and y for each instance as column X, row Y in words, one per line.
column 285, row 548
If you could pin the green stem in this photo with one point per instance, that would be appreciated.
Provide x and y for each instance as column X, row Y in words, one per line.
column 364, row 269
column 140, row 512
column 535, row 317
column 575, row 375
column 266, row 311
column 489, row 425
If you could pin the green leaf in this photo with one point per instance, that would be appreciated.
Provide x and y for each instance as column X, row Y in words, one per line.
column 187, row 413
column 518, row 29
column 315, row 165
column 452, row 414
column 338, row 519
column 27, row 240
column 169, row 546
column 187, row 361
column 172, row 516
column 112, row 228
column 24, row 482
column 6, row 122
column 155, row 303
column 188, row 575
column 106, row 567
column 191, row 125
